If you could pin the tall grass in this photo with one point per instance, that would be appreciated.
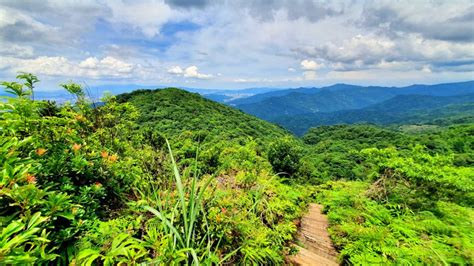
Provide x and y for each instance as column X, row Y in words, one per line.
column 180, row 219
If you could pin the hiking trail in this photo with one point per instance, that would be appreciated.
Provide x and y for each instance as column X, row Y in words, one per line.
column 316, row 245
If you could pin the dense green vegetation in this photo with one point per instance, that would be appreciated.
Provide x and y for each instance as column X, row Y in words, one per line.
column 174, row 111
column 396, row 198
column 168, row 177
column 99, row 185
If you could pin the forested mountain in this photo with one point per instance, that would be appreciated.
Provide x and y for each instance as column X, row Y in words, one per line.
column 167, row 177
column 402, row 109
column 173, row 111
column 338, row 97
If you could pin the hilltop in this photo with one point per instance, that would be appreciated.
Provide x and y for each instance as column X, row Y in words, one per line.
column 173, row 111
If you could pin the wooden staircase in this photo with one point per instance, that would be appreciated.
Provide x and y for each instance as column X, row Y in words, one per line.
column 317, row 248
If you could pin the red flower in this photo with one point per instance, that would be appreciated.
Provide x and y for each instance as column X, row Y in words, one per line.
column 104, row 154
column 113, row 158
column 31, row 179
column 76, row 146
column 41, row 151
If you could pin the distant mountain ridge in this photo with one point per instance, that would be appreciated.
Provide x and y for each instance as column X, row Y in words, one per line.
column 337, row 97
column 412, row 89
column 401, row 109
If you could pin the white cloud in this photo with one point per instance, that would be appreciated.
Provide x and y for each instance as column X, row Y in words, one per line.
column 91, row 62
column 426, row 69
column 371, row 51
column 177, row 70
column 310, row 65
column 290, row 69
column 146, row 16
column 189, row 72
column 192, row 72
column 92, row 67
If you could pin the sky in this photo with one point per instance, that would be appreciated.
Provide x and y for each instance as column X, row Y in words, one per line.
column 237, row 44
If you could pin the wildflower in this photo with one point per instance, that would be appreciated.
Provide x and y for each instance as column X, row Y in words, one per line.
column 41, row 151
column 79, row 117
column 31, row 179
column 97, row 184
column 74, row 210
column 104, row 154
column 76, row 146
column 113, row 158
column 223, row 210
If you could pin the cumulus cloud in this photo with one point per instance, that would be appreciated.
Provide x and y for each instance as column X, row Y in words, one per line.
column 365, row 51
column 92, row 67
column 189, row 72
column 177, row 70
column 310, row 65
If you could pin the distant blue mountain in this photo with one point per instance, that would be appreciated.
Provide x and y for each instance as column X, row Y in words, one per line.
column 401, row 109
column 336, row 98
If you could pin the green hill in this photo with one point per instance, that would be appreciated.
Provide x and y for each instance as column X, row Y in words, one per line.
column 173, row 111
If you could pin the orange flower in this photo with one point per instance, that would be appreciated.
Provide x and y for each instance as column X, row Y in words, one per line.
column 223, row 210
column 76, row 146
column 79, row 117
column 104, row 154
column 113, row 158
column 41, row 151
column 31, row 179
column 97, row 184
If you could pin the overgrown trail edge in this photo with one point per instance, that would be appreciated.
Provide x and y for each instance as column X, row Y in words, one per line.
column 316, row 245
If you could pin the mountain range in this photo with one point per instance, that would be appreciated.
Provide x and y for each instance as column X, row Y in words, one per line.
column 299, row 109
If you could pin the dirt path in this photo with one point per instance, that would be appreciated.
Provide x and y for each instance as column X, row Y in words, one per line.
column 317, row 248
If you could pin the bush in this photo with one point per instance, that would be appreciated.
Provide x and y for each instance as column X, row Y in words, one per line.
column 284, row 155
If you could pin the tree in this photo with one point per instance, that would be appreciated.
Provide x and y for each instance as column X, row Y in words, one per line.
column 284, row 156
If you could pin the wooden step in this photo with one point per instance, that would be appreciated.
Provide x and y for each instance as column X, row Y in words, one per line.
column 305, row 257
column 317, row 247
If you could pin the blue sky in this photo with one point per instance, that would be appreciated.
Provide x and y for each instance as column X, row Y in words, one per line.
column 237, row 44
